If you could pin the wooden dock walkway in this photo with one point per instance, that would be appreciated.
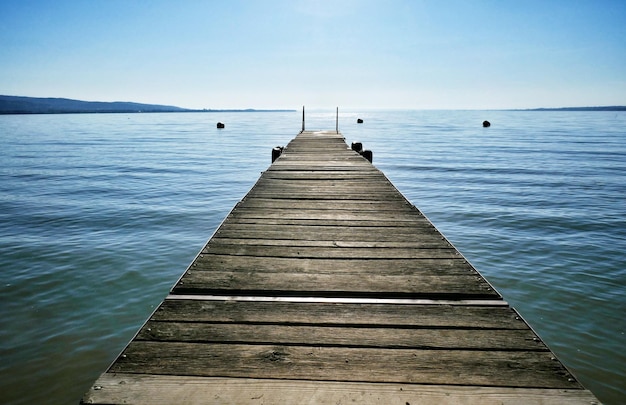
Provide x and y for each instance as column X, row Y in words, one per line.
column 324, row 285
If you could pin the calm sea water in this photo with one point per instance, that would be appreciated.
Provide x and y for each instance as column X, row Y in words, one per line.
column 100, row 214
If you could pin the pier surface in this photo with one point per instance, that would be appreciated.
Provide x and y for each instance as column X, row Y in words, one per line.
column 324, row 285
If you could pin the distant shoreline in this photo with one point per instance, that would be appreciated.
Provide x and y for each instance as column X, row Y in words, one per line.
column 607, row 108
column 17, row 105
column 138, row 112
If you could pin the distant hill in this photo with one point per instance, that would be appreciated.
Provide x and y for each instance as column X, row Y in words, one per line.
column 606, row 108
column 33, row 105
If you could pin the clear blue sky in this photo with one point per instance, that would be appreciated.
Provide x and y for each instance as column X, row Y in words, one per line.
column 438, row 54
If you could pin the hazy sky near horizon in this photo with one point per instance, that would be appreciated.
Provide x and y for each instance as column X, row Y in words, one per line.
column 436, row 54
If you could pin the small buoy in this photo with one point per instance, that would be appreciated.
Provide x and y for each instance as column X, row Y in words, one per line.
column 359, row 121
column 220, row 125
column 357, row 146
column 486, row 124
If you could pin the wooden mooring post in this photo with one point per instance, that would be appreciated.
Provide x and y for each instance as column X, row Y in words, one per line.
column 324, row 285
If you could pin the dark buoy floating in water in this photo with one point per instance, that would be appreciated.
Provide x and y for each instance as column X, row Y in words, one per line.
column 486, row 124
column 359, row 121
column 220, row 125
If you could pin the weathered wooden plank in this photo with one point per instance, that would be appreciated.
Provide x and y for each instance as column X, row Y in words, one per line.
column 282, row 165
column 333, row 140
column 412, row 217
column 339, row 205
column 373, row 190
column 329, row 253
column 373, row 182
column 331, row 192
column 330, row 143
column 370, row 337
column 333, row 314
column 473, row 367
column 143, row 389
column 319, row 149
column 283, row 186
column 329, row 233
column 423, row 241
column 231, row 220
column 361, row 176
column 336, row 161
column 316, row 195
column 344, row 285
column 359, row 268
column 342, row 162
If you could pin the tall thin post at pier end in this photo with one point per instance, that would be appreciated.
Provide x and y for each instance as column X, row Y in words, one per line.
column 302, row 118
column 337, row 121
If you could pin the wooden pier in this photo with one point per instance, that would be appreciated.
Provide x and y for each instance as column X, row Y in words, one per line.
column 324, row 285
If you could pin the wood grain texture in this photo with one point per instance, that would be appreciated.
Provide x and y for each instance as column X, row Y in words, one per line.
column 333, row 314
column 467, row 367
column 342, row 336
column 142, row 389
column 357, row 267
column 345, row 285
